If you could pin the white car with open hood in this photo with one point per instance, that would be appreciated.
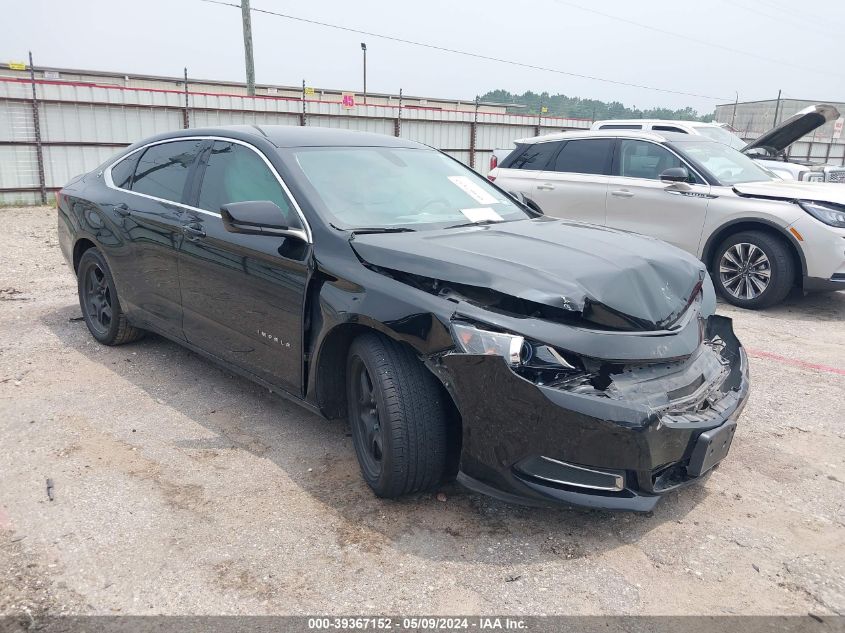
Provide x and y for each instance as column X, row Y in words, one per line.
column 758, row 234
column 769, row 149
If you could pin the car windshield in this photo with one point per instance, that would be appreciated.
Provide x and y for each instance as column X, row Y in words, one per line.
column 729, row 166
column 400, row 188
column 721, row 135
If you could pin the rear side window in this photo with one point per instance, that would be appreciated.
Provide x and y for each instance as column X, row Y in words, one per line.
column 585, row 156
column 163, row 169
column 237, row 174
column 621, row 126
column 121, row 173
column 533, row 156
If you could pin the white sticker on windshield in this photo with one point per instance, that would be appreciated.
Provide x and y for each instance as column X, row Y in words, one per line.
column 473, row 190
column 480, row 214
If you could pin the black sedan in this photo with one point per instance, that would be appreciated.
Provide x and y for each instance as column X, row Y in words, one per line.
column 459, row 331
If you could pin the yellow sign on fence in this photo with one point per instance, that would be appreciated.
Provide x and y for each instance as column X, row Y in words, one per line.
column 309, row 91
column 17, row 66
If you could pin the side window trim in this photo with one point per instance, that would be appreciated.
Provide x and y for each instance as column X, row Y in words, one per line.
column 110, row 183
column 617, row 148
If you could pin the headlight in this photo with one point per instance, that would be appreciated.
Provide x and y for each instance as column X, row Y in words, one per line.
column 814, row 176
column 831, row 215
column 473, row 340
column 535, row 361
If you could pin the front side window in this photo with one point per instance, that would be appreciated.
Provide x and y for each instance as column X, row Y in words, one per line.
column 399, row 188
column 235, row 173
column 585, row 156
column 535, row 156
column 162, row 170
column 641, row 159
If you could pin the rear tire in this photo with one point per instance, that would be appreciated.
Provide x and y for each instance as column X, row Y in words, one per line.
column 753, row 269
column 398, row 415
column 99, row 303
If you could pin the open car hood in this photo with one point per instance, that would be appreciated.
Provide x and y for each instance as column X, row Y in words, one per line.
column 782, row 136
column 591, row 275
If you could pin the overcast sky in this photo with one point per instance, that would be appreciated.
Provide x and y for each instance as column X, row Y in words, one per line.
column 709, row 47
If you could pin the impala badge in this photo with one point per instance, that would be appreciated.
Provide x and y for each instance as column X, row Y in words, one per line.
column 273, row 339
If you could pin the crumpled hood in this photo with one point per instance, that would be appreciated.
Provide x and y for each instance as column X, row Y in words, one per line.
column 799, row 124
column 572, row 266
column 793, row 190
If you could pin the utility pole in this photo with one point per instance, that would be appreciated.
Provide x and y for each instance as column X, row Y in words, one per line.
column 250, row 65
column 364, row 48
column 36, row 123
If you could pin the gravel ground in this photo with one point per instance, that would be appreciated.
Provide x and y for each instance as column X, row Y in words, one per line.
column 181, row 489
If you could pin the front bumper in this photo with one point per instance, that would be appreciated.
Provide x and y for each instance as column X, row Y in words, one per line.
column 534, row 444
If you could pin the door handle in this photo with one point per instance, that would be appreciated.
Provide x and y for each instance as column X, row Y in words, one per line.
column 122, row 209
column 546, row 186
column 193, row 231
column 621, row 193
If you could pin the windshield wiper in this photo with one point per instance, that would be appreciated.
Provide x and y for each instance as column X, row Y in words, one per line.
column 381, row 229
column 479, row 223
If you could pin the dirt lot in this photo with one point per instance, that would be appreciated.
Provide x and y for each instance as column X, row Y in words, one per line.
column 179, row 488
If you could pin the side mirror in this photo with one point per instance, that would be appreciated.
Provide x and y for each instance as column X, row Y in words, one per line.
column 675, row 174
column 257, row 217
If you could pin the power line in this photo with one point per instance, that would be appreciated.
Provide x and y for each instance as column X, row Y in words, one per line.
column 467, row 53
column 682, row 36
column 780, row 18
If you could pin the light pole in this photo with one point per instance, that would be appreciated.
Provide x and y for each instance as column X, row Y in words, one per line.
column 364, row 48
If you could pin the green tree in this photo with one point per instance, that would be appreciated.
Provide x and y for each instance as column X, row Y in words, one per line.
column 578, row 108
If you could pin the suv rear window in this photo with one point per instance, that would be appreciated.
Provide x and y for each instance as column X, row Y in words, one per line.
column 585, row 156
column 531, row 156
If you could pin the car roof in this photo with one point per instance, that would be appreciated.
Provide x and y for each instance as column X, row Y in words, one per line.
column 653, row 121
column 296, row 136
column 648, row 135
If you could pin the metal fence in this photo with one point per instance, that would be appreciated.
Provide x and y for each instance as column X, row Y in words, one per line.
column 51, row 131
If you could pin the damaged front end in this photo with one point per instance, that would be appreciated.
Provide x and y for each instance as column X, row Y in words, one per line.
column 597, row 433
column 580, row 377
column 544, row 424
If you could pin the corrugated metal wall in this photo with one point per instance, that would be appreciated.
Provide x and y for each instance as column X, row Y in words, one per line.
column 83, row 124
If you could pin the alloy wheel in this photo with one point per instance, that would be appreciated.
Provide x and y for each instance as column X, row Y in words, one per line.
column 745, row 271
column 369, row 434
column 98, row 301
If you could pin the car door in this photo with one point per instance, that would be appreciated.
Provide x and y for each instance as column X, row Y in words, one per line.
column 150, row 187
column 574, row 186
column 639, row 201
column 243, row 295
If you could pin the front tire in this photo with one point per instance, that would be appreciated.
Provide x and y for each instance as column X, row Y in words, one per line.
column 99, row 303
column 753, row 269
column 398, row 416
